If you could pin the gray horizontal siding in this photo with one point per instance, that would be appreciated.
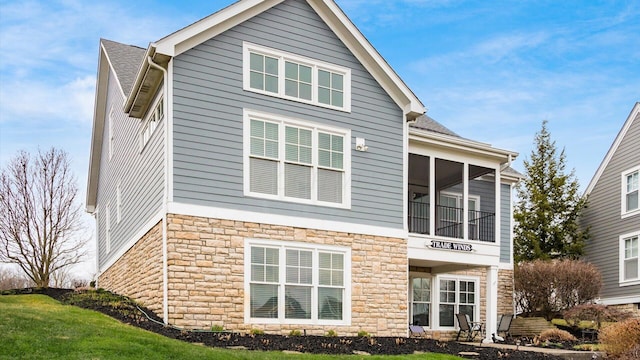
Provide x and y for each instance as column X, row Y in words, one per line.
column 141, row 176
column 505, row 223
column 208, row 119
column 603, row 215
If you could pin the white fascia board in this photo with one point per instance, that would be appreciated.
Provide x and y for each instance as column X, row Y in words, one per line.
column 461, row 144
column 99, row 112
column 212, row 25
column 142, row 71
column 282, row 220
column 613, row 148
column 370, row 58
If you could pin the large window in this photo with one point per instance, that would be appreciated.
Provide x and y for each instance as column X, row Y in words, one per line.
column 296, row 283
column 629, row 259
column 287, row 159
column 421, row 301
column 457, row 295
column 107, row 220
column 630, row 188
column 276, row 73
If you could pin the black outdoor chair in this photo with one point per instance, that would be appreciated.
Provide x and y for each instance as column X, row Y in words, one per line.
column 416, row 330
column 469, row 328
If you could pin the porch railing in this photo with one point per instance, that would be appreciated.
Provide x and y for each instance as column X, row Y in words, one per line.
column 449, row 222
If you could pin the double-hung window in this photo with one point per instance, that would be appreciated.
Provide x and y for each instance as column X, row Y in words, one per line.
column 296, row 283
column 457, row 295
column 630, row 191
column 629, row 259
column 276, row 73
column 421, row 301
column 288, row 159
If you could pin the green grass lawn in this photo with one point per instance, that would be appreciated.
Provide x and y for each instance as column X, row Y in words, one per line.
column 38, row 327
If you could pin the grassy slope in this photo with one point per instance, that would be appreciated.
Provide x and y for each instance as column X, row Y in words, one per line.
column 38, row 327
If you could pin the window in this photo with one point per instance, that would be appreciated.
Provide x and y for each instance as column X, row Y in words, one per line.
column 111, row 135
column 108, row 229
column 630, row 191
column 275, row 73
column 457, row 296
column 287, row 159
column 629, row 259
column 150, row 125
column 296, row 283
column 118, row 203
column 451, row 215
column 421, row 301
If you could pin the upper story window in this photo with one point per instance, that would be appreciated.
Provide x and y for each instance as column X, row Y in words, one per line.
column 150, row 124
column 295, row 283
column 293, row 77
column 108, row 228
column 629, row 259
column 118, row 203
column 630, row 186
column 293, row 160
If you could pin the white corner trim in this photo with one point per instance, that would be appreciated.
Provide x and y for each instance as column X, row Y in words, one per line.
column 282, row 220
column 132, row 241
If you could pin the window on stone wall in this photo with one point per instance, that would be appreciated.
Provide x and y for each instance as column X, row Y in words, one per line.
column 297, row 283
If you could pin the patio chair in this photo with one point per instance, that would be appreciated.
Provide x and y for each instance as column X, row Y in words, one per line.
column 503, row 327
column 469, row 328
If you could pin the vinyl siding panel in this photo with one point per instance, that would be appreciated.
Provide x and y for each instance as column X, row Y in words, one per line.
column 604, row 215
column 505, row 223
column 208, row 121
column 140, row 174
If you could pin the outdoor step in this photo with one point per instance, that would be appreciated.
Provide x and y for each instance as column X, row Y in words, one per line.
column 529, row 327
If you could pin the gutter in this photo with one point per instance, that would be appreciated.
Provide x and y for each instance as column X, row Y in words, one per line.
column 165, row 276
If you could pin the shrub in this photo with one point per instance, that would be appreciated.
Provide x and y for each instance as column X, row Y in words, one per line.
column 556, row 335
column 331, row 333
column 631, row 354
column 363, row 333
column 594, row 313
column 217, row 328
column 546, row 288
column 295, row 333
column 621, row 338
column 257, row 332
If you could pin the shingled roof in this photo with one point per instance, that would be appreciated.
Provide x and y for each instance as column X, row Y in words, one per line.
column 424, row 122
column 126, row 60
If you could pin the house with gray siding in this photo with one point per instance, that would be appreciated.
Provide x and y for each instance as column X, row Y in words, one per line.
column 266, row 168
column 613, row 217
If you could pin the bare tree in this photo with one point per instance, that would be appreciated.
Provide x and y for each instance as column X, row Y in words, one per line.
column 10, row 278
column 40, row 225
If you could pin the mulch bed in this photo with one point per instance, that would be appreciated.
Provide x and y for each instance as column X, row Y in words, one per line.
column 127, row 313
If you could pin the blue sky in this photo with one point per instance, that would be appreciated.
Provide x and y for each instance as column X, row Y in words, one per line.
column 489, row 70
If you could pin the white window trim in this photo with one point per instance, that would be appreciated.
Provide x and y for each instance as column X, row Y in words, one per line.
column 623, row 193
column 435, row 297
column 157, row 105
column 315, row 248
column 621, row 280
column 111, row 137
column 118, row 202
column 282, row 122
column 248, row 48
column 108, row 229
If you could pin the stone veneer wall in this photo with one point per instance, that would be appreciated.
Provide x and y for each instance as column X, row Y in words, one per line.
column 206, row 276
column 138, row 273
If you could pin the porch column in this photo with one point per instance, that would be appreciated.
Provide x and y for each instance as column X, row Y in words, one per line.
column 465, row 201
column 492, row 303
column 432, row 195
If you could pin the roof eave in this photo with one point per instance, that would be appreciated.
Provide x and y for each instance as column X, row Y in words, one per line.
column 614, row 147
column 462, row 144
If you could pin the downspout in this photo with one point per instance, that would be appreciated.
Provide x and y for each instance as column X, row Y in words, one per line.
column 165, row 276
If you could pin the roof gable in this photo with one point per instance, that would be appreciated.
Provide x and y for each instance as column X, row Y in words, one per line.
column 635, row 114
column 125, row 61
column 203, row 30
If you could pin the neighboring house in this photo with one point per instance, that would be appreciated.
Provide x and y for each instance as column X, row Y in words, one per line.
column 265, row 168
column 613, row 216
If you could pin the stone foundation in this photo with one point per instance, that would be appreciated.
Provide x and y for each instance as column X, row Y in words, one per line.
column 138, row 273
column 632, row 309
column 206, row 276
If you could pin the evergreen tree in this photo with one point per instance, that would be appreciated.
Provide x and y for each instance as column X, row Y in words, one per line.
column 549, row 206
